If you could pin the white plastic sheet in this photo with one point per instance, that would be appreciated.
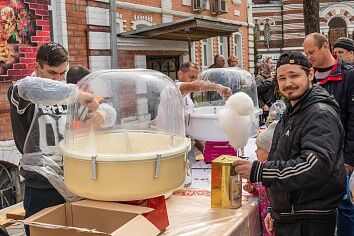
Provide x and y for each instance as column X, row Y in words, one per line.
column 190, row 213
column 47, row 92
column 193, row 215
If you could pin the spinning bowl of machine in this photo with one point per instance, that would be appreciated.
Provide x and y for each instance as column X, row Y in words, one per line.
column 203, row 121
column 142, row 153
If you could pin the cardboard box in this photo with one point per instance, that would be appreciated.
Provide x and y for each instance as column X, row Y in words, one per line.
column 226, row 183
column 94, row 218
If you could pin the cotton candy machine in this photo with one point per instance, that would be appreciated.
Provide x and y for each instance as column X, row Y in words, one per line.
column 142, row 153
column 203, row 123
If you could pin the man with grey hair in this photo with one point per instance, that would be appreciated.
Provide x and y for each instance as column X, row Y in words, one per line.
column 344, row 49
column 219, row 62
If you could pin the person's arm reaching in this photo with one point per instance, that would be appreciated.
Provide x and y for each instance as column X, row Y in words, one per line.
column 50, row 92
column 204, row 86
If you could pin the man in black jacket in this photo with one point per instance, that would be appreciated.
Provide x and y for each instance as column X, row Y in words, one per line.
column 304, row 174
column 338, row 79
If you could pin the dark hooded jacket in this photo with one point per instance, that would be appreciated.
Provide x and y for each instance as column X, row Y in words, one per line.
column 304, row 174
column 340, row 84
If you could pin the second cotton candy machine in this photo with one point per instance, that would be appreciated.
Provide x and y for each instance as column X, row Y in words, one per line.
column 139, row 151
column 203, row 121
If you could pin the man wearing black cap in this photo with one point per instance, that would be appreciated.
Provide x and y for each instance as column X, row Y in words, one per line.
column 304, row 174
column 344, row 49
column 338, row 79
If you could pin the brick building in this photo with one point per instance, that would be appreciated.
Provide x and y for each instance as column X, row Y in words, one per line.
column 280, row 24
column 153, row 52
column 24, row 26
column 83, row 27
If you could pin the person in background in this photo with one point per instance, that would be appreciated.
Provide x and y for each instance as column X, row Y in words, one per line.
column 337, row 78
column 304, row 174
column 232, row 61
column 105, row 115
column 344, row 49
column 38, row 108
column 263, row 143
column 265, row 87
column 219, row 62
column 187, row 83
column 76, row 73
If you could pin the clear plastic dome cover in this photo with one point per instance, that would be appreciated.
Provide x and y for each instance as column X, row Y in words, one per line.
column 276, row 111
column 137, row 105
column 204, row 116
column 237, row 79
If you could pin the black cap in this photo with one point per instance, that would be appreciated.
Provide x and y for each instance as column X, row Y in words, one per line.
column 296, row 58
column 344, row 42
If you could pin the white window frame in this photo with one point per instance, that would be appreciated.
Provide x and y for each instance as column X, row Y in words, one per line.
column 207, row 52
column 59, row 25
column 238, row 45
column 222, row 46
column 135, row 23
column 119, row 25
column 193, row 52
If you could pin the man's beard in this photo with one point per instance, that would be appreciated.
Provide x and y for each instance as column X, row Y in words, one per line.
column 300, row 93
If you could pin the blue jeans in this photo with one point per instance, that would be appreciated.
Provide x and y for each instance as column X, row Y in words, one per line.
column 36, row 199
column 345, row 220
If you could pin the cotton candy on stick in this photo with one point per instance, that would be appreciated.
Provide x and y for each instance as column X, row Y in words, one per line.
column 235, row 119
column 240, row 103
column 235, row 127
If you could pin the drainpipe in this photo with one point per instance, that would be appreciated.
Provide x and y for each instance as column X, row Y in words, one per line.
column 112, row 23
column 282, row 27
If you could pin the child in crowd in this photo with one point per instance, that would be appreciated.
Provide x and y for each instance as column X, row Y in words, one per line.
column 264, row 143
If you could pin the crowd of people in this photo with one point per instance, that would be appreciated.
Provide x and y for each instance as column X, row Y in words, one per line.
column 305, row 160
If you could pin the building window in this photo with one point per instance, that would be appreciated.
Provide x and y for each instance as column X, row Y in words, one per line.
column 223, row 50
column 238, row 48
column 207, row 54
column 204, row 53
column 267, row 33
column 193, row 52
column 139, row 24
column 256, row 29
column 50, row 12
column 57, row 20
column 119, row 25
column 337, row 29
